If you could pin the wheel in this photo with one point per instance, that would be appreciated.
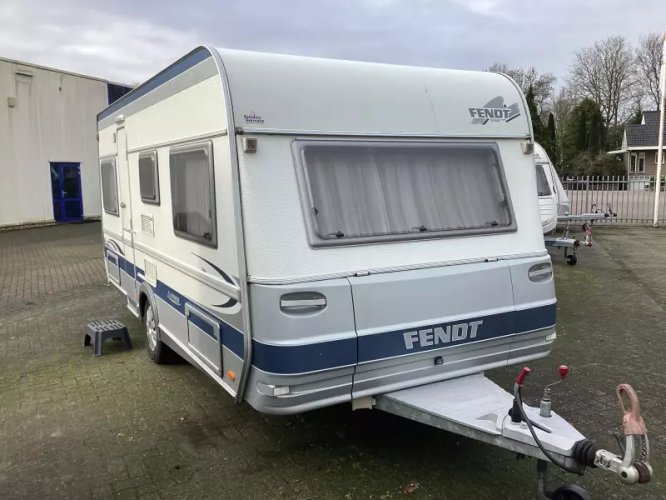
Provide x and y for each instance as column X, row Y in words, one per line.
column 157, row 350
column 570, row 492
column 572, row 259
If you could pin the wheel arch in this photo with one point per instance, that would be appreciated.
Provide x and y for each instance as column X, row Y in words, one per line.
column 146, row 295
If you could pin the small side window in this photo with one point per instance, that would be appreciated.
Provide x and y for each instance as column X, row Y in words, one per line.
column 149, row 184
column 192, row 192
column 109, row 186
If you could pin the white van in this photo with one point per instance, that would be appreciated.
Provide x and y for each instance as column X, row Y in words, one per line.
column 309, row 231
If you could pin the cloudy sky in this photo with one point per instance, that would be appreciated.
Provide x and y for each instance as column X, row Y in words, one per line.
column 130, row 40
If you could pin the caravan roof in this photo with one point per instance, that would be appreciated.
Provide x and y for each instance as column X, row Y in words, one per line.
column 350, row 98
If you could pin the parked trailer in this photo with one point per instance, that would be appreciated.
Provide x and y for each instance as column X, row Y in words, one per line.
column 311, row 232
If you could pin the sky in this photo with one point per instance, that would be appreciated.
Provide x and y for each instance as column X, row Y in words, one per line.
column 128, row 41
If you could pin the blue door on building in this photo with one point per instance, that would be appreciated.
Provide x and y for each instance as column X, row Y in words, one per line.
column 66, row 190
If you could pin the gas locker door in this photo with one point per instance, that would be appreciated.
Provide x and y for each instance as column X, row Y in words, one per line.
column 128, row 271
column 421, row 325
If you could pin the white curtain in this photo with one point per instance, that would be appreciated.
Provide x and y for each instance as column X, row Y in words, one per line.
column 395, row 189
column 191, row 193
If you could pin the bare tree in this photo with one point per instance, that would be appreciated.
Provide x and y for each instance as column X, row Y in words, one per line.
column 541, row 83
column 603, row 72
column 648, row 63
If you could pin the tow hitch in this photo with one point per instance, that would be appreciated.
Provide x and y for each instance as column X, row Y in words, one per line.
column 476, row 407
column 631, row 468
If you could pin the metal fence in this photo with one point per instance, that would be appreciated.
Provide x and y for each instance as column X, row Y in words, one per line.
column 624, row 200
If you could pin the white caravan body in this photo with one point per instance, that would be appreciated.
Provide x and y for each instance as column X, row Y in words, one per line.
column 313, row 231
column 553, row 199
column 546, row 190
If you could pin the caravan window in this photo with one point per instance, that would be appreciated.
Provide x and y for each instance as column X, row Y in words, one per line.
column 109, row 186
column 543, row 188
column 192, row 192
column 369, row 191
column 149, row 184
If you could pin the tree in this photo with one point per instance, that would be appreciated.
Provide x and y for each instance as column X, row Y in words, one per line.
column 550, row 140
column 541, row 83
column 603, row 72
column 537, row 126
column 648, row 63
column 583, row 133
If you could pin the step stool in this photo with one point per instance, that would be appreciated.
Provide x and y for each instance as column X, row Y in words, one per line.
column 98, row 332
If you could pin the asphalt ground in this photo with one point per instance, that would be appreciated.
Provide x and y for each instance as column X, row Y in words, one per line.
column 117, row 426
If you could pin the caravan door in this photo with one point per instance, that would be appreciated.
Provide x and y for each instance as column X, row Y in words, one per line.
column 128, row 276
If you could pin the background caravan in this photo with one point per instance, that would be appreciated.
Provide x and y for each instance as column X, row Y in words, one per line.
column 553, row 199
column 311, row 232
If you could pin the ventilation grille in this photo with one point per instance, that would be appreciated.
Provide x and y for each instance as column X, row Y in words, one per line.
column 147, row 225
column 150, row 271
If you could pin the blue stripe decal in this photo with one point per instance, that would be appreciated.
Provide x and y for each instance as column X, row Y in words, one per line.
column 303, row 358
column 391, row 344
column 180, row 66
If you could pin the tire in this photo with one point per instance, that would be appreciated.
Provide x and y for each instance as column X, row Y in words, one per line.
column 570, row 492
column 572, row 259
column 158, row 351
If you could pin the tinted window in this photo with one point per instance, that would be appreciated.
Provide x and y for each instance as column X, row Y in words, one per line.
column 109, row 187
column 192, row 195
column 148, row 178
column 367, row 190
column 543, row 188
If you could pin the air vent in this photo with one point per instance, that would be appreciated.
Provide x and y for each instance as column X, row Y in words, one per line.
column 150, row 271
column 147, row 225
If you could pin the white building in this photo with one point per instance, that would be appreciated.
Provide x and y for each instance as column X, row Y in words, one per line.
column 48, row 145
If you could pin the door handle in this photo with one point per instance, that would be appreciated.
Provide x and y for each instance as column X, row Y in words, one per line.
column 290, row 304
column 122, row 204
column 302, row 302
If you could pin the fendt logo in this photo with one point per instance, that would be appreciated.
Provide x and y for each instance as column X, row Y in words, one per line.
column 494, row 111
column 444, row 334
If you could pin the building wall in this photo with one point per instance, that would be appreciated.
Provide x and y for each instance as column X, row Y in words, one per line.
column 650, row 162
column 53, row 120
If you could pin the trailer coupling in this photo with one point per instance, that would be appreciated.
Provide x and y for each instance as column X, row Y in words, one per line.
column 633, row 467
column 477, row 408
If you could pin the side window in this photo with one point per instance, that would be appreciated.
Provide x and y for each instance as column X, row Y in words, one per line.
column 192, row 192
column 109, row 186
column 149, row 184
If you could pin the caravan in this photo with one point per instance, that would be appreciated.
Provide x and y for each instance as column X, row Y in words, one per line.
column 311, row 232
column 553, row 199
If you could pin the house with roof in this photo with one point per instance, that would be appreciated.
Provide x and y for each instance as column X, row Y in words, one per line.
column 640, row 145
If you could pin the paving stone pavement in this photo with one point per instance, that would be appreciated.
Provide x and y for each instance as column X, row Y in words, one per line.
column 117, row 426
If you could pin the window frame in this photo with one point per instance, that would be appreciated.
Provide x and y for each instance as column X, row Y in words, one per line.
column 633, row 161
column 639, row 170
column 206, row 146
column 316, row 241
column 156, row 172
column 111, row 160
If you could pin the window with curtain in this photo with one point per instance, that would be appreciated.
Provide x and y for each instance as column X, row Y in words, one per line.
column 148, row 178
column 109, row 186
column 192, row 192
column 403, row 191
column 543, row 188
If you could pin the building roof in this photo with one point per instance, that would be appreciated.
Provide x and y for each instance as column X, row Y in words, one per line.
column 646, row 133
column 62, row 71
